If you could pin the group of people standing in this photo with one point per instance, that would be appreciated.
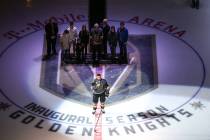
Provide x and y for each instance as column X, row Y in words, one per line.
column 74, row 43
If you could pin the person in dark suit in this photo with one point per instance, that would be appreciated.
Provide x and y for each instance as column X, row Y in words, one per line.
column 51, row 31
column 106, row 29
column 84, row 39
column 112, row 39
column 122, row 34
column 79, row 51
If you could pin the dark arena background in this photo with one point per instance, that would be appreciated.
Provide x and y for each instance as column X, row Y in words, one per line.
column 158, row 75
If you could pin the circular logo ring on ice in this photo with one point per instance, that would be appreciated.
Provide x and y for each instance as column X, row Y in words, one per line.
column 190, row 46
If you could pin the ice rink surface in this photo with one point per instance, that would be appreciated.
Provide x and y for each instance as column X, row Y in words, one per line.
column 178, row 108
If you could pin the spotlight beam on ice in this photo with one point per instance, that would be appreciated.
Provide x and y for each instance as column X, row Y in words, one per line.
column 123, row 76
column 127, row 70
column 73, row 76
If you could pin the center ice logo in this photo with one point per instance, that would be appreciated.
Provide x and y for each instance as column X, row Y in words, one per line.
column 74, row 81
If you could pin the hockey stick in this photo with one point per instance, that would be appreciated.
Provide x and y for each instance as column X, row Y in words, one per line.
column 97, row 121
column 98, row 118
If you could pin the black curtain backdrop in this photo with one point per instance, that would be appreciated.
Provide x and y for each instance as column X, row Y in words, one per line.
column 97, row 11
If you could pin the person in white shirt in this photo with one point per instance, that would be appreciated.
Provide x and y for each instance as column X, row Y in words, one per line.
column 72, row 36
